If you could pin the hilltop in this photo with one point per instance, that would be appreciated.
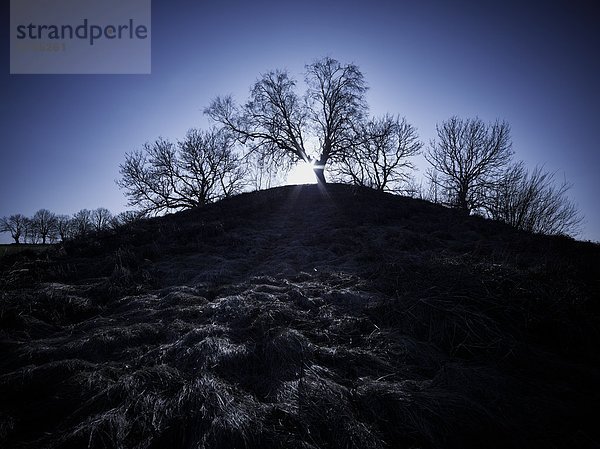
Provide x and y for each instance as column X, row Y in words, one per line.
column 302, row 318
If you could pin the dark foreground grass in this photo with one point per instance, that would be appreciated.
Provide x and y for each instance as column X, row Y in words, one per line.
column 10, row 249
column 296, row 319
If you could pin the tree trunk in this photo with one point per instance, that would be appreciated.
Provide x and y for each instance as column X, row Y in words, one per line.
column 463, row 205
column 319, row 168
column 320, row 174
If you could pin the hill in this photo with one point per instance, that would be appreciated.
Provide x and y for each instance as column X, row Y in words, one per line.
column 302, row 318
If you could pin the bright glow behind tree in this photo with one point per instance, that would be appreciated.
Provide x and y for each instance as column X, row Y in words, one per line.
column 301, row 173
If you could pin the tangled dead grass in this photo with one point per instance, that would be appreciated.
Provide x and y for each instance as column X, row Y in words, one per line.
column 357, row 322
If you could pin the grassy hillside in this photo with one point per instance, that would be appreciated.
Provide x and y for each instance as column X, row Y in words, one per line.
column 297, row 318
column 9, row 249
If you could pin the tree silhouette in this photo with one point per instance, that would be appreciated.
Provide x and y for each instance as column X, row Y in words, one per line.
column 319, row 127
column 30, row 233
column 125, row 218
column 82, row 222
column 380, row 159
column 65, row 227
column 468, row 158
column 534, row 202
column 163, row 176
column 43, row 224
column 15, row 225
column 100, row 219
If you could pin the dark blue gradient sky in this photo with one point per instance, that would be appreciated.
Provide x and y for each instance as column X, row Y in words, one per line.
column 533, row 64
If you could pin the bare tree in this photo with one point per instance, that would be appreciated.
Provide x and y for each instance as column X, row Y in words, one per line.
column 100, row 219
column 415, row 188
column 44, row 224
column 200, row 169
column 15, row 225
column 212, row 168
column 30, row 234
column 468, row 158
column 262, row 172
column 125, row 218
column 317, row 128
column 65, row 227
column 82, row 223
column 433, row 190
column 380, row 159
column 533, row 201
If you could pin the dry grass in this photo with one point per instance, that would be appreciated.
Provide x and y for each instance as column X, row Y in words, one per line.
column 289, row 319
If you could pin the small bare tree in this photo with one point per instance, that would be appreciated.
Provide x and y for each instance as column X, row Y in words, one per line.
column 212, row 169
column 100, row 219
column 262, row 172
column 125, row 218
column 30, row 233
column 433, row 190
column 200, row 169
column 468, row 158
column 533, row 201
column 15, row 225
column 43, row 224
column 65, row 227
column 380, row 159
column 82, row 223
column 318, row 128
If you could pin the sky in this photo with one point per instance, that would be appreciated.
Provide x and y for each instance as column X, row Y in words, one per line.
column 533, row 64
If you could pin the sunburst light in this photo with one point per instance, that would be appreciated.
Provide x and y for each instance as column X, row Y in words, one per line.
column 301, row 173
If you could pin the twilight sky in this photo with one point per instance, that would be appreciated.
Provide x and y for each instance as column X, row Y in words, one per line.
column 533, row 64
